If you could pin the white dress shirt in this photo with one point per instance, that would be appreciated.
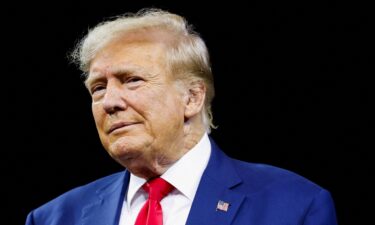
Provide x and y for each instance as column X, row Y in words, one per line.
column 184, row 175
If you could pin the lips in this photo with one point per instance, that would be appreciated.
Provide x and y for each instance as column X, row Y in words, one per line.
column 119, row 125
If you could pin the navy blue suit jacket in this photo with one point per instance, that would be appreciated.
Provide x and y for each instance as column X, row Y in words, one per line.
column 257, row 194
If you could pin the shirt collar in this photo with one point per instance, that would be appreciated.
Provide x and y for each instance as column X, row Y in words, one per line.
column 192, row 164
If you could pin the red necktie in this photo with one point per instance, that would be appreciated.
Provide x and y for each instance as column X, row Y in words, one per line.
column 151, row 212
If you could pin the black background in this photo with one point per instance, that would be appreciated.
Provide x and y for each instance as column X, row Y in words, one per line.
column 294, row 89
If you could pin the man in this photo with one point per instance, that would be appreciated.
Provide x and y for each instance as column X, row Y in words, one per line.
column 151, row 85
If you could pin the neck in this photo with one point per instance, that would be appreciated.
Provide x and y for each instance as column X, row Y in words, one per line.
column 193, row 133
column 192, row 139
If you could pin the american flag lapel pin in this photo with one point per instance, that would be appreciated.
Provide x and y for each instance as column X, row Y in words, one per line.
column 222, row 206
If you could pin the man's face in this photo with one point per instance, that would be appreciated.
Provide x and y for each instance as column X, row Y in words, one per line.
column 137, row 107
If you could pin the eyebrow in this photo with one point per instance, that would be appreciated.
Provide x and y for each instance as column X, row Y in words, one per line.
column 92, row 79
column 95, row 76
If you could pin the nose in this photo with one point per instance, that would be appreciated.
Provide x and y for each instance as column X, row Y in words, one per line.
column 114, row 100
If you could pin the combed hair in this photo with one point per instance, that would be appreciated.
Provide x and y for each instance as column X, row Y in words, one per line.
column 187, row 55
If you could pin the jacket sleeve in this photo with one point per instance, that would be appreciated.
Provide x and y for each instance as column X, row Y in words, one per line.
column 321, row 210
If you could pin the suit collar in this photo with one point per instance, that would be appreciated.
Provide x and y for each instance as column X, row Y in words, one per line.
column 217, row 184
column 105, row 209
column 220, row 168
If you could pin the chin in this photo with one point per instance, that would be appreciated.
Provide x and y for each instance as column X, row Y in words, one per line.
column 125, row 149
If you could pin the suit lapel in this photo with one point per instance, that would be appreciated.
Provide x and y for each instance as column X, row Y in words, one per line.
column 216, row 185
column 106, row 208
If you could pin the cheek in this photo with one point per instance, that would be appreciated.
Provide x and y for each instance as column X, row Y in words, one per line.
column 170, row 111
column 164, row 105
column 160, row 107
column 98, row 114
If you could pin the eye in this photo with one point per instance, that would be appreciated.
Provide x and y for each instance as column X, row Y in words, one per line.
column 133, row 79
column 134, row 82
column 97, row 88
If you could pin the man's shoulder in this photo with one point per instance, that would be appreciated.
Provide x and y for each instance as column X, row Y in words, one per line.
column 78, row 197
column 85, row 191
column 264, row 177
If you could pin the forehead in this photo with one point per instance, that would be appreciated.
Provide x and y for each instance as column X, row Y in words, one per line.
column 124, row 56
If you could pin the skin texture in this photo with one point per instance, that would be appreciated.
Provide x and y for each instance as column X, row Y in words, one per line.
column 145, row 119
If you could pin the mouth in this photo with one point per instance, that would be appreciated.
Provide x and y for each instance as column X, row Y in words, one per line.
column 117, row 126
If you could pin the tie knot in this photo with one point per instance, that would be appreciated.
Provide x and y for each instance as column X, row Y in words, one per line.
column 157, row 188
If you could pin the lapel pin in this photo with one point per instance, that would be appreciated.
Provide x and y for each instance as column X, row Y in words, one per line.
column 222, row 206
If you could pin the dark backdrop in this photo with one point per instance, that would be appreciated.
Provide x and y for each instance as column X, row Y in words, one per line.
column 294, row 89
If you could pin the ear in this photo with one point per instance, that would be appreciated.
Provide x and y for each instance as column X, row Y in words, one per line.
column 194, row 100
